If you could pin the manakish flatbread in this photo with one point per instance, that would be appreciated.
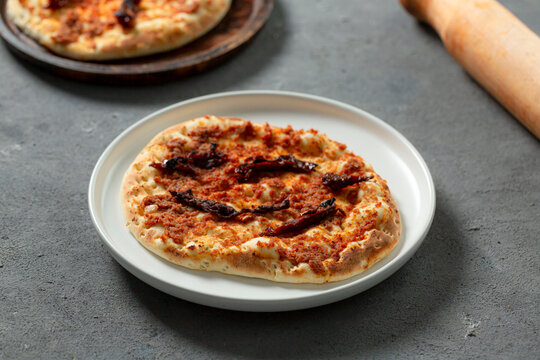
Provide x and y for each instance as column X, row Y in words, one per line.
column 115, row 29
column 228, row 195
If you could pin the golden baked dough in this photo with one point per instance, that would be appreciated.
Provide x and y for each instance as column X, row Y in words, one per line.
column 205, row 160
column 89, row 29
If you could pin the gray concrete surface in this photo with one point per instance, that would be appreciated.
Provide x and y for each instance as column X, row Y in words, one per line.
column 471, row 291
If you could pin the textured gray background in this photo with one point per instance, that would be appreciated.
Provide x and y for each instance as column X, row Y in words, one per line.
column 472, row 290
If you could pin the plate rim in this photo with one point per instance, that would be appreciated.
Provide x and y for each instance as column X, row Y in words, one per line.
column 188, row 294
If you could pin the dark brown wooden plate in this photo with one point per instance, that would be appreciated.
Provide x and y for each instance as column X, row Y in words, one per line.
column 241, row 23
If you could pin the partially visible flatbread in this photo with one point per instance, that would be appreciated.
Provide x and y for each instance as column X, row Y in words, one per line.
column 88, row 29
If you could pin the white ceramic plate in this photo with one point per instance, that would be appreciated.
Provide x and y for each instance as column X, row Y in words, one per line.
column 391, row 155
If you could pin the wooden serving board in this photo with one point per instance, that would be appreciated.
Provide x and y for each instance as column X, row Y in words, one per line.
column 241, row 23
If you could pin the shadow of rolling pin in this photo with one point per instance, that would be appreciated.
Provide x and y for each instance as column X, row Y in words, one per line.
column 493, row 46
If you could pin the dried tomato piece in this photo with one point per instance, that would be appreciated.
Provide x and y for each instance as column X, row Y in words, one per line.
column 174, row 164
column 207, row 159
column 127, row 12
column 246, row 171
column 263, row 209
column 203, row 159
column 306, row 219
column 336, row 182
column 210, row 206
column 56, row 4
column 224, row 211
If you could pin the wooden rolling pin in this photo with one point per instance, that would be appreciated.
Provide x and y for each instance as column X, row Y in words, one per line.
column 495, row 48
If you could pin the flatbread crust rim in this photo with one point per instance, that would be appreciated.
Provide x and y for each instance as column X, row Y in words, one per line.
column 247, row 261
column 144, row 40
